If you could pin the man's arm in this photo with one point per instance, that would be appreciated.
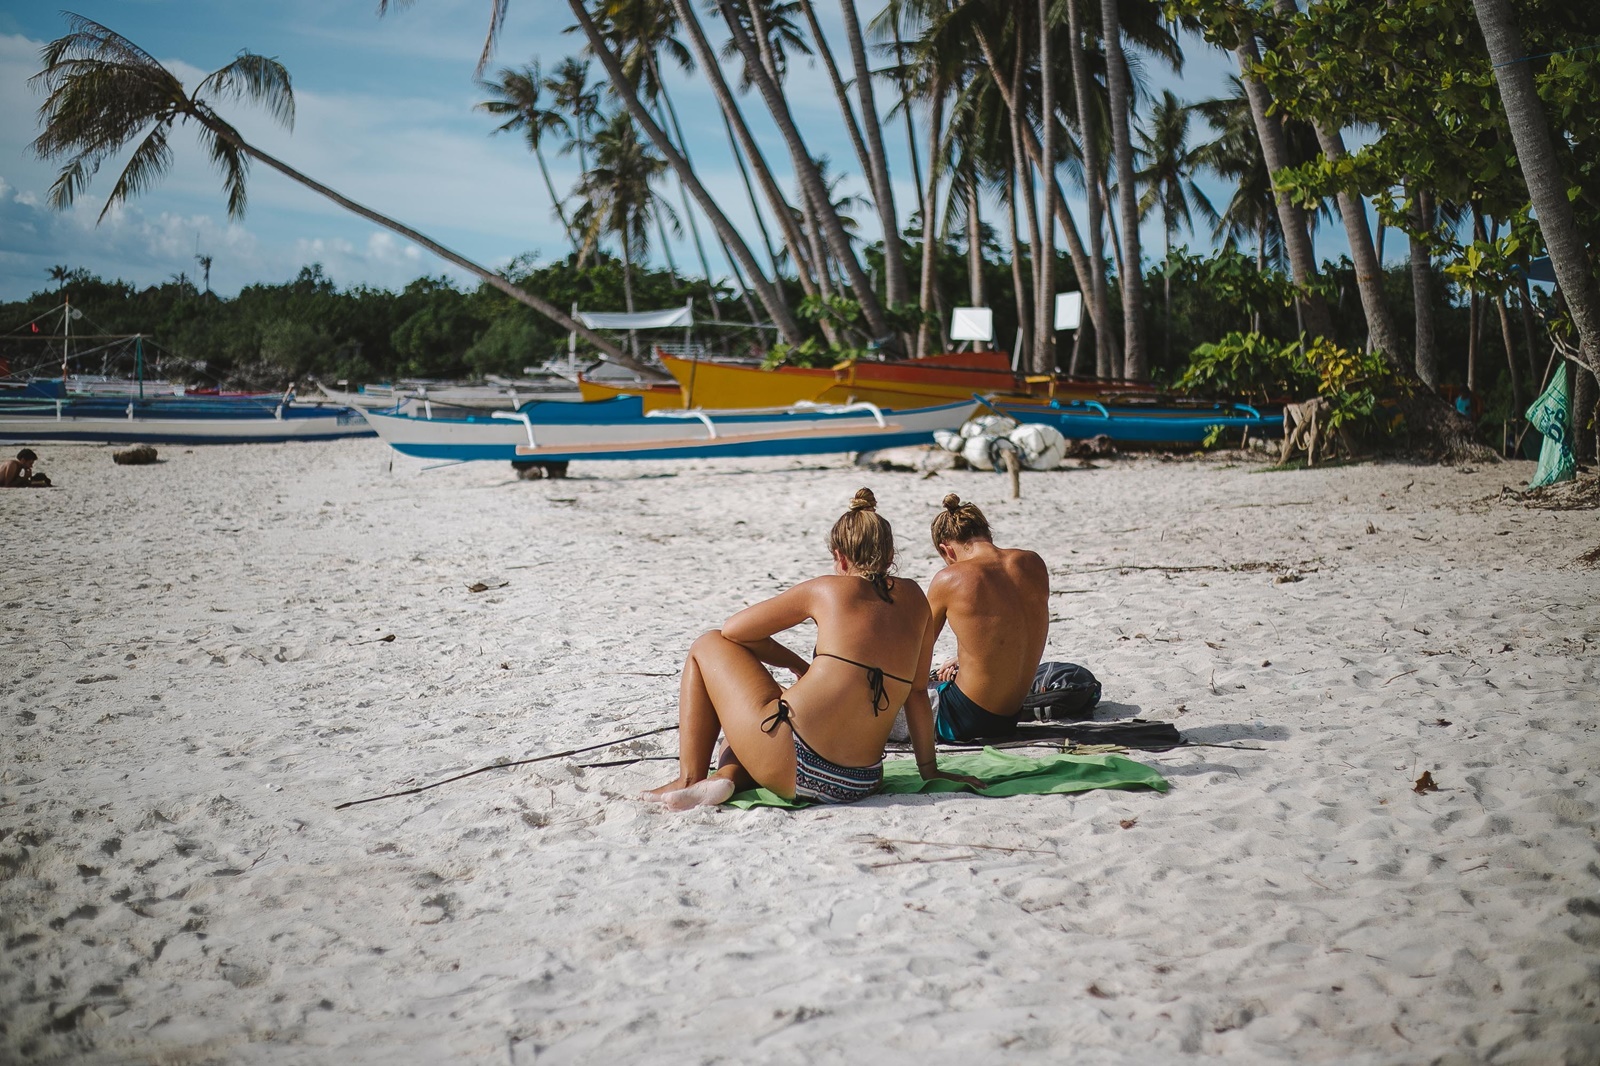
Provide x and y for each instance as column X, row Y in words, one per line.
column 919, row 711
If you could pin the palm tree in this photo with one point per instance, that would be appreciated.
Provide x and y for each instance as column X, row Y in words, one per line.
column 1543, row 173
column 896, row 286
column 569, row 85
column 619, row 200
column 60, row 275
column 1119, row 88
column 1168, row 180
column 517, row 96
column 104, row 92
column 1089, row 147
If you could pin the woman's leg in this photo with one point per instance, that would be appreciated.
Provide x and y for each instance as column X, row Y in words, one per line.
column 726, row 689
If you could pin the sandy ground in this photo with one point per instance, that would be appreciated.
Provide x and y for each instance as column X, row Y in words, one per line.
column 192, row 676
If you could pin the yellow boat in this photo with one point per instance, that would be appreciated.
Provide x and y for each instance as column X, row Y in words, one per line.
column 898, row 385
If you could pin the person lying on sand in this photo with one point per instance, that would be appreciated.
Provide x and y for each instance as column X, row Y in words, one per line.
column 16, row 473
column 997, row 602
column 822, row 739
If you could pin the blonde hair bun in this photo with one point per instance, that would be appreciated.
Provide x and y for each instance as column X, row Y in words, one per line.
column 864, row 500
column 952, row 503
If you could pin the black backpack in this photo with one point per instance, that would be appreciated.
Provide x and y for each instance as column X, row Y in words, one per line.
column 1062, row 692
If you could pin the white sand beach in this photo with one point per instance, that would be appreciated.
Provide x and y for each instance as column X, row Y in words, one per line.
column 194, row 671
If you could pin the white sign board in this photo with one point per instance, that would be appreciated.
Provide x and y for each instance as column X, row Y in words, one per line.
column 972, row 324
column 1069, row 310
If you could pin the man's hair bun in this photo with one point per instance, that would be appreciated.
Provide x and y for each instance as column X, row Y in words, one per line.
column 952, row 503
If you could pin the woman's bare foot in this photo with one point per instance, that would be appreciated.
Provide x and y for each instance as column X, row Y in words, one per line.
column 661, row 793
column 708, row 793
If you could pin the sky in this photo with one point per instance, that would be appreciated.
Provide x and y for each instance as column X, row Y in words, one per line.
column 385, row 115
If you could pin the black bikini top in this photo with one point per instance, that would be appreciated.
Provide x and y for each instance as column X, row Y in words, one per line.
column 875, row 676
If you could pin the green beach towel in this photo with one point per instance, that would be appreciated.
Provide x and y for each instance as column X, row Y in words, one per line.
column 1551, row 414
column 1005, row 774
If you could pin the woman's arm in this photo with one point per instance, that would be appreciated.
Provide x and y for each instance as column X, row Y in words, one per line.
column 754, row 626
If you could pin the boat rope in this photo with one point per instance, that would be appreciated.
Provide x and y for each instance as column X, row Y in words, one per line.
column 508, row 765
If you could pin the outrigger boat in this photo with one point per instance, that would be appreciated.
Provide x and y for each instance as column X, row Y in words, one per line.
column 1139, row 424
column 904, row 383
column 621, row 428
column 37, row 415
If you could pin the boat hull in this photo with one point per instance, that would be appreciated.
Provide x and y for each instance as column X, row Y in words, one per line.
column 177, row 422
column 1146, row 425
column 901, row 384
column 620, row 429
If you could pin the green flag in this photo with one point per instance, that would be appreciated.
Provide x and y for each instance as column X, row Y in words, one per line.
column 1551, row 414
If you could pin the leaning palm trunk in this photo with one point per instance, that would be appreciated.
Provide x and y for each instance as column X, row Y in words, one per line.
column 751, row 153
column 664, row 102
column 1381, row 331
column 561, row 211
column 767, row 292
column 1542, row 171
column 1291, row 219
column 852, row 127
column 1099, row 294
column 806, row 171
column 894, row 264
column 1119, row 86
column 104, row 90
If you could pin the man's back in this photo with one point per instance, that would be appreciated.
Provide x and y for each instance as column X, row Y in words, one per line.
column 997, row 602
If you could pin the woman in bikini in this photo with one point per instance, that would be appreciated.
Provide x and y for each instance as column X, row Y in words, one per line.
column 822, row 739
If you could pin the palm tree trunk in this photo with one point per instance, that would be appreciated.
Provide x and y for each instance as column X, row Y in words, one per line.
column 1291, row 219
column 1081, row 263
column 550, row 187
column 1422, row 294
column 755, row 205
column 1019, row 162
column 1098, row 294
column 974, row 245
column 1543, row 173
column 484, row 274
column 852, row 127
column 1381, row 330
column 739, row 133
column 894, row 252
column 805, row 170
column 930, row 207
column 1119, row 86
column 627, row 287
column 683, row 193
column 1018, row 287
column 771, row 295
column 1044, row 351
column 1517, row 394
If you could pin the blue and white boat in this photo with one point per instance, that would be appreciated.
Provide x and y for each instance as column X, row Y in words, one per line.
column 43, row 413
column 1140, row 424
column 559, row 432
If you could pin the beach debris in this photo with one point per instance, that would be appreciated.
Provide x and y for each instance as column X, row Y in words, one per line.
column 1371, row 528
column 387, row 638
column 1099, row 993
column 139, row 455
column 479, row 586
column 1397, row 677
column 96, row 679
column 1425, row 784
column 1441, row 721
column 1128, row 823
column 1287, row 577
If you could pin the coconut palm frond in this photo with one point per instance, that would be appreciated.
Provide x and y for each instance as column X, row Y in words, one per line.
column 257, row 79
column 90, row 40
column 222, row 144
column 149, row 161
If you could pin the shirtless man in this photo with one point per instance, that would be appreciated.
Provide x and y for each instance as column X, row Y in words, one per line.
column 16, row 473
column 996, row 601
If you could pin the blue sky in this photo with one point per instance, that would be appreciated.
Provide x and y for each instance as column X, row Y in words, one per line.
column 385, row 116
